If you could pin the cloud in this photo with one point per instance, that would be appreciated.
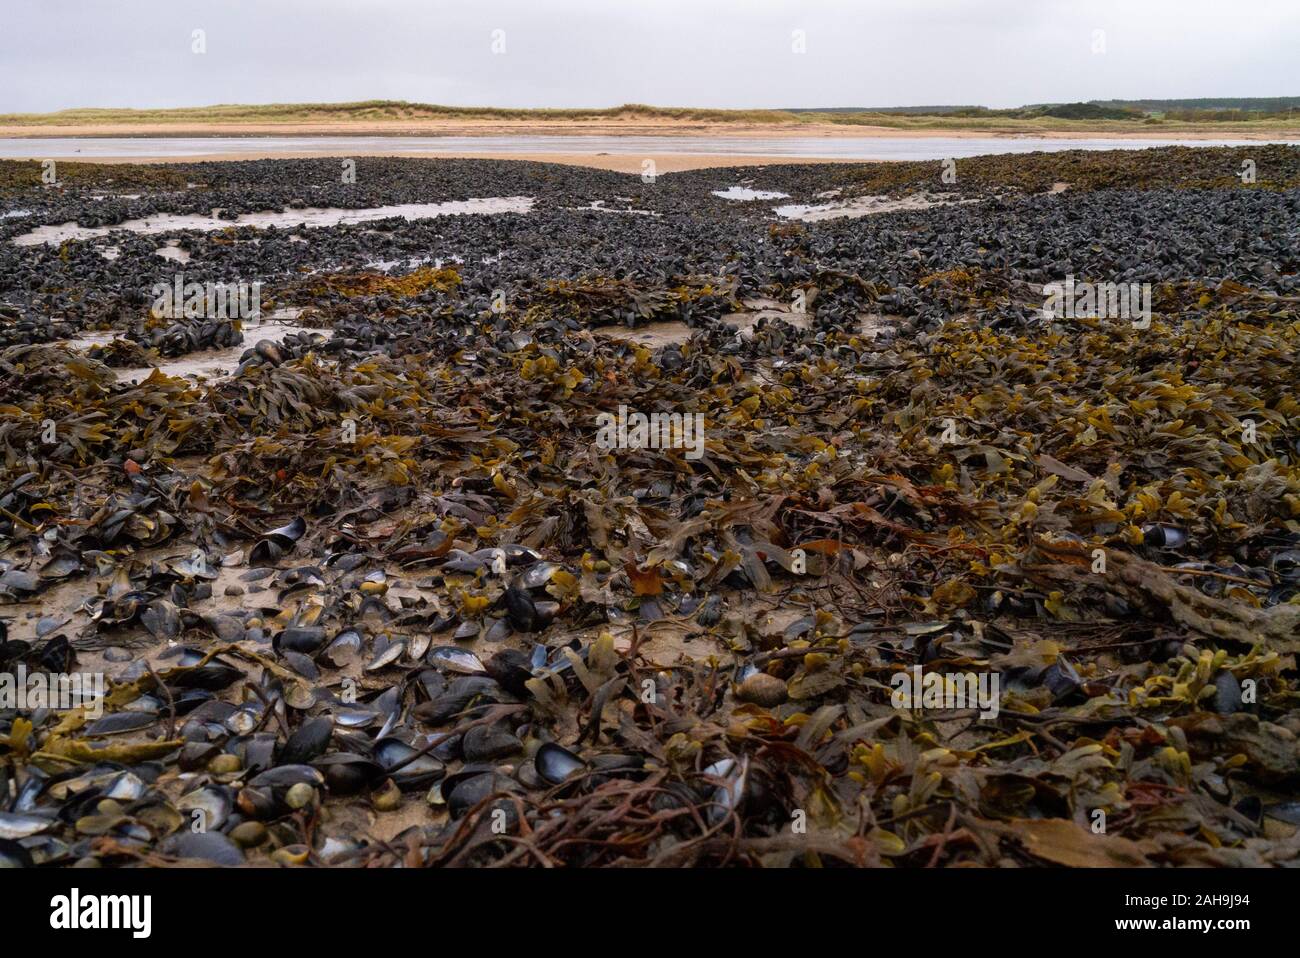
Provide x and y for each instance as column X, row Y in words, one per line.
column 56, row 54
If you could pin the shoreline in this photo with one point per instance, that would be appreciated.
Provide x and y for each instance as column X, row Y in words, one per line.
column 739, row 131
column 614, row 162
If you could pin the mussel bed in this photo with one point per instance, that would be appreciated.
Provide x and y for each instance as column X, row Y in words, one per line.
column 380, row 597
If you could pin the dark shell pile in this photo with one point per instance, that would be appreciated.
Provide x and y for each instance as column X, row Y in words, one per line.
column 374, row 594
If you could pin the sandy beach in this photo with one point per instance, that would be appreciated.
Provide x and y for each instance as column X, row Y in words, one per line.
column 644, row 126
column 618, row 163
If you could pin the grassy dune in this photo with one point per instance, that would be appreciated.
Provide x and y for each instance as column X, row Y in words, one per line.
column 379, row 113
column 378, row 110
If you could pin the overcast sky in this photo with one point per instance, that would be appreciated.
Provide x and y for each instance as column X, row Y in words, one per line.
column 56, row 54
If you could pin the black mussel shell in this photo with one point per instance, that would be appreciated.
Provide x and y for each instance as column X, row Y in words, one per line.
column 521, row 610
column 395, row 757
column 556, row 764
column 304, row 639
column 308, row 743
column 348, row 774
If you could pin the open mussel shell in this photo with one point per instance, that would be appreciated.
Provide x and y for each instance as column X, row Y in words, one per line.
column 208, row 807
column 556, row 764
column 19, row 825
column 289, row 533
column 520, row 555
column 196, row 567
column 162, row 619
column 386, row 653
column 343, row 648
column 266, row 551
column 727, row 796
column 397, row 759
column 1061, row 679
column 277, row 542
column 276, row 792
column 539, row 574
column 1162, row 535
column 460, row 694
column 452, row 658
column 212, row 677
column 346, row 773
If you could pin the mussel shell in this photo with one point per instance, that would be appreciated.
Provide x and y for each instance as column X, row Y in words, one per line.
column 386, row 655
column 303, row 639
column 119, row 723
column 452, row 658
column 209, row 846
column 289, row 533
column 16, row 825
column 469, row 791
column 308, row 743
column 391, row 752
column 343, row 648
column 520, row 555
column 460, row 695
column 266, row 551
column 162, row 619
column 484, row 743
column 727, row 796
column 216, row 802
column 284, row 776
column 521, row 610
column 556, row 764
column 537, row 575
column 212, row 677
column 347, row 774
column 1162, row 535
column 512, row 669
column 1061, row 679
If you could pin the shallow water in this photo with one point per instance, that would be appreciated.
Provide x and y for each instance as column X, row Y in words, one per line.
column 849, row 147
column 311, row 216
column 598, row 206
column 212, row 363
column 172, row 251
column 858, row 206
column 748, row 193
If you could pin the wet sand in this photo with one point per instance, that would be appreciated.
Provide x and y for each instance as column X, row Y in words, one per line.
column 636, row 126
column 618, row 163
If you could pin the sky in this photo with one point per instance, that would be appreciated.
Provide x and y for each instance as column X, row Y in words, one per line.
column 59, row 54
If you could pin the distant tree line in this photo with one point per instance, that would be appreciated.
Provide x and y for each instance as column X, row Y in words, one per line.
column 1204, row 109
